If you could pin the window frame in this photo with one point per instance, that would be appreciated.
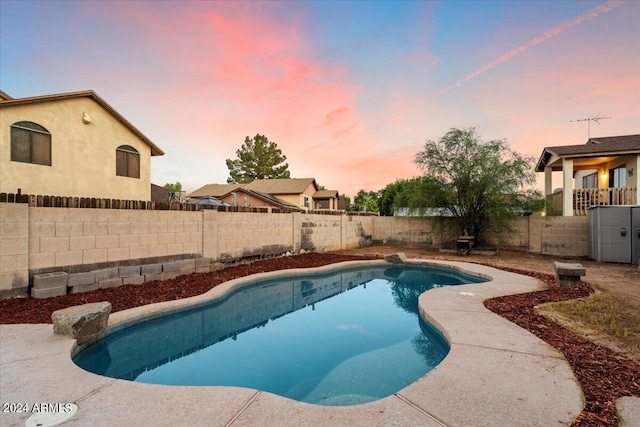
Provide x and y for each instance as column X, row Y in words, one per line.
column 618, row 177
column 590, row 181
column 125, row 155
column 32, row 130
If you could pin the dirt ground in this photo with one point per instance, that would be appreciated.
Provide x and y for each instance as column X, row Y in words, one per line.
column 622, row 279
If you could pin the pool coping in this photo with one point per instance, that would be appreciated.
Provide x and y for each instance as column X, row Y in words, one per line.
column 495, row 372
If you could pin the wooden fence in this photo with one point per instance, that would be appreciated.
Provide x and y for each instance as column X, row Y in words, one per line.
column 98, row 203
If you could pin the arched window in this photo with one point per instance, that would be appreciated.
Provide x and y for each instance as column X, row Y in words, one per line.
column 30, row 143
column 127, row 161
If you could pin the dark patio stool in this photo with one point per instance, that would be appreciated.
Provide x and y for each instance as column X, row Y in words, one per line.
column 464, row 245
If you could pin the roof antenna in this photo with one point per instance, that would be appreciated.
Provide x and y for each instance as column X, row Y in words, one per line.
column 595, row 119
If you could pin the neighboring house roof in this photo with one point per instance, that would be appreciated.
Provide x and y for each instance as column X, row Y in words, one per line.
column 326, row 194
column 159, row 194
column 273, row 199
column 595, row 147
column 208, row 201
column 281, row 185
column 267, row 190
column 221, row 191
column 215, row 190
column 7, row 101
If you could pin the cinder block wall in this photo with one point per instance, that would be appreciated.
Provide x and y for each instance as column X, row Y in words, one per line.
column 232, row 235
column 61, row 237
column 561, row 236
column 516, row 236
column 356, row 230
column 407, row 231
column 317, row 232
column 535, row 234
column 14, row 248
column 564, row 236
column 34, row 239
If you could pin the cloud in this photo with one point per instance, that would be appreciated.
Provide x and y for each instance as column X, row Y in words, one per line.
column 554, row 32
column 335, row 115
column 407, row 107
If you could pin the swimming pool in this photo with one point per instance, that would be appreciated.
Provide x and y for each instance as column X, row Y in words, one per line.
column 341, row 338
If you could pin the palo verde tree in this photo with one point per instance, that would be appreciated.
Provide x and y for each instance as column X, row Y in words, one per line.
column 481, row 183
column 258, row 158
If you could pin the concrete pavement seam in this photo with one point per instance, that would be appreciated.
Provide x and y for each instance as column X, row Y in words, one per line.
column 419, row 409
column 97, row 390
column 244, row 408
column 559, row 356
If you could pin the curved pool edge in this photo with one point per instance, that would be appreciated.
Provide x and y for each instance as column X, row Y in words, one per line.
column 495, row 371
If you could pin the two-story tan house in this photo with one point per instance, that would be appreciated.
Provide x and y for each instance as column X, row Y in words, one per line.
column 72, row 144
column 604, row 171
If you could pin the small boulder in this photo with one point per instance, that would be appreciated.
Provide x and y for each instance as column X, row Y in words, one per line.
column 82, row 322
column 397, row 258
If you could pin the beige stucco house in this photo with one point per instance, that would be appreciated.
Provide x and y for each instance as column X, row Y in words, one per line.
column 237, row 195
column 326, row 199
column 72, row 144
column 290, row 193
column 604, row 171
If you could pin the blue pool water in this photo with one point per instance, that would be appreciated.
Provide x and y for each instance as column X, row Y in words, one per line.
column 341, row 338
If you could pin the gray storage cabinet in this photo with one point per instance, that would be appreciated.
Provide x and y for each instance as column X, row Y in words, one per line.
column 614, row 233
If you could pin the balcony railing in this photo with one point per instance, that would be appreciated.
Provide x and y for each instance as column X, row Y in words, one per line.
column 584, row 198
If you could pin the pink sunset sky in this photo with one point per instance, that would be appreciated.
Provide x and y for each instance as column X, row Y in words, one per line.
column 349, row 91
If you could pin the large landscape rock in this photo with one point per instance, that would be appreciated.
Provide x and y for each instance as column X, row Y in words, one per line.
column 397, row 258
column 82, row 322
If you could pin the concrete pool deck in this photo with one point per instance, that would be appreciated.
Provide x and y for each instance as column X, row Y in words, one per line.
column 495, row 374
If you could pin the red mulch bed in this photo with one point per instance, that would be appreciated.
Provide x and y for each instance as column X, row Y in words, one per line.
column 603, row 375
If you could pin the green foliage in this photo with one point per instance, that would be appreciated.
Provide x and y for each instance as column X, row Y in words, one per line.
column 415, row 195
column 347, row 202
column 481, row 183
column 173, row 187
column 366, row 201
column 404, row 193
column 258, row 158
column 388, row 195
